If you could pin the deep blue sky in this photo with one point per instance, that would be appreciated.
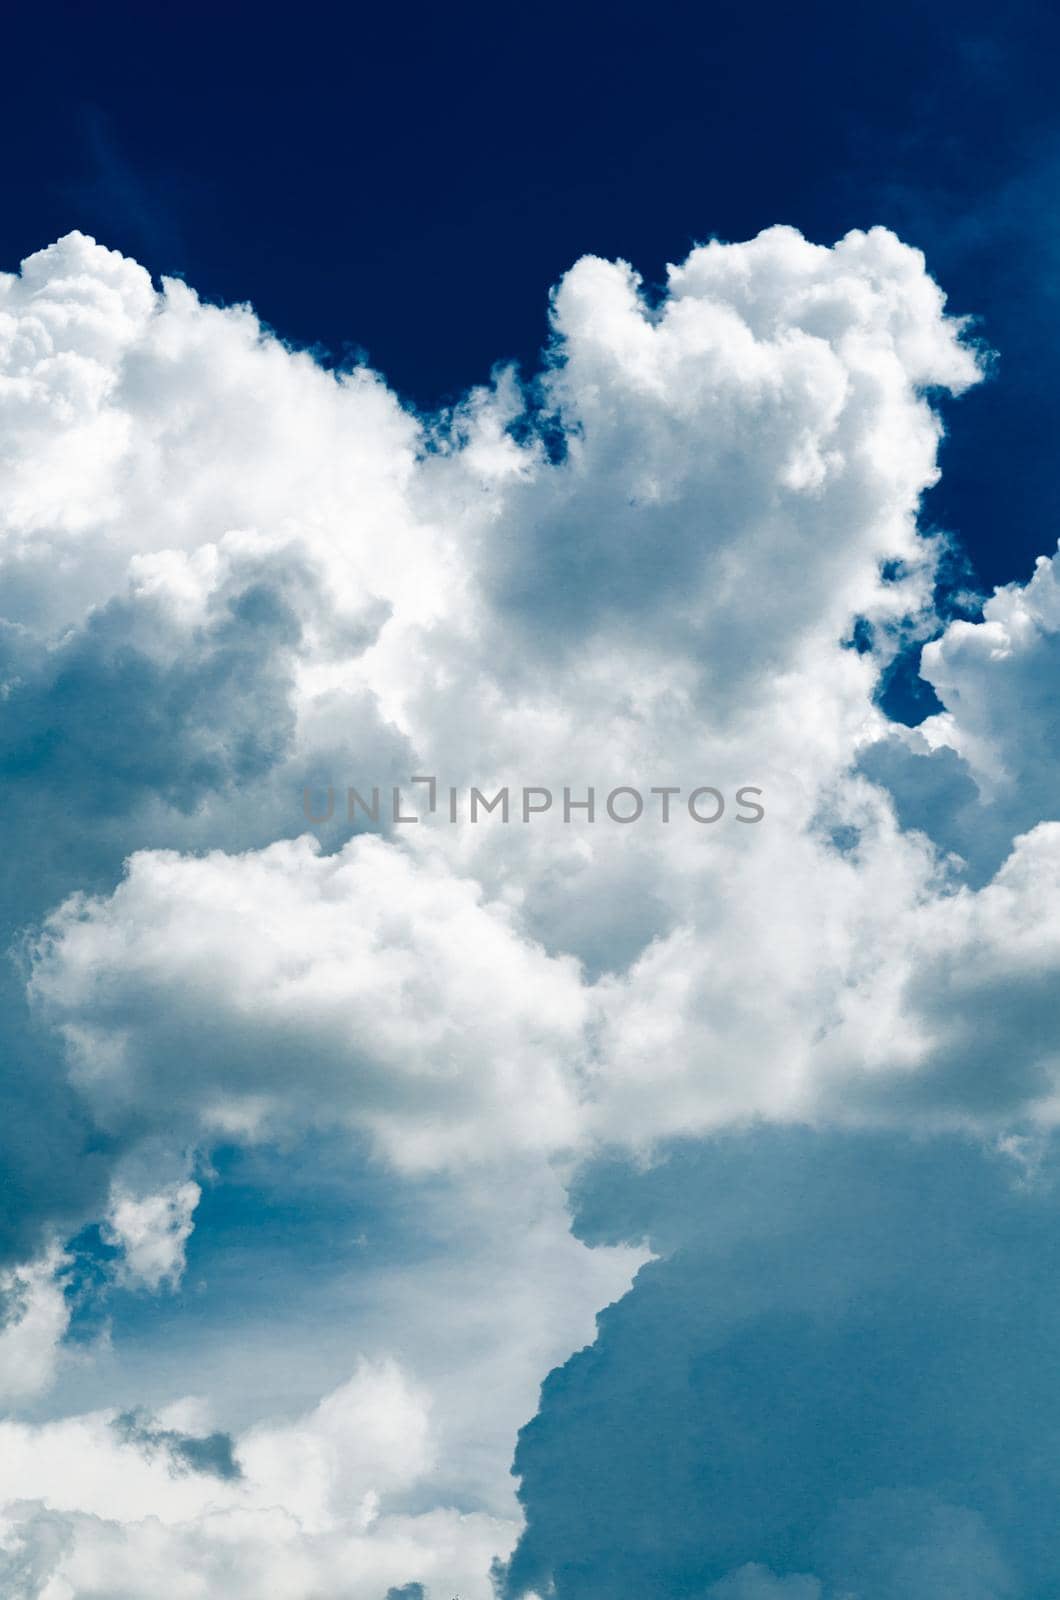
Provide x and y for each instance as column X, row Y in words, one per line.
column 409, row 180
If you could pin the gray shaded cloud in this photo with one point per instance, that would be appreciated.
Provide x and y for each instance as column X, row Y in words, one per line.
column 208, row 1453
column 842, row 1368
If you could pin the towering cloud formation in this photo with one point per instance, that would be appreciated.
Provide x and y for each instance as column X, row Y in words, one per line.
column 679, row 558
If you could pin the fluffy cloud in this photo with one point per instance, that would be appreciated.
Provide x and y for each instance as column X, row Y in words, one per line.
column 151, row 1232
column 229, row 574
column 418, row 1013
column 405, row 1006
column 368, row 1438
column 622, row 614
column 399, row 1475
column 997, row 677
column 242, row 1555
column 971, row 777
column 139, row 422
column 34, row 1316
column 99, row 1507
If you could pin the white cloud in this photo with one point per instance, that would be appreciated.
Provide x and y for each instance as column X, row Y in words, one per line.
column 34, row 1316
column 140, row 422
column 96, row 1509
column 984, row 769
column 243, row 1555
column 367, row 1439
column 405, row 1005
column 231, row 573
column 151, row 1231
column 418, row 1012
column 997, row 680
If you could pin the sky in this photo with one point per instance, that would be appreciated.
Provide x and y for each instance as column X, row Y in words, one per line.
column 408, row 183
column 529, row 644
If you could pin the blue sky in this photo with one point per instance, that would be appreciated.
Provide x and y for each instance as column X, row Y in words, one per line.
column 548, row 1206
column 411, row 182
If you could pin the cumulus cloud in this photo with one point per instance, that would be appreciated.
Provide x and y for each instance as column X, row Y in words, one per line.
column 365, row 1440
column 401, row 1470
column 683, row 555
column 408, row 1007
column 243, row 1555
column 767, row 421
column 141, row 422
column 420, row 1013
column 34, row 1316
column 996, row 678
column 973, row 776
column 832, row 1382
column 111, row 1505
column 151, row 1232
